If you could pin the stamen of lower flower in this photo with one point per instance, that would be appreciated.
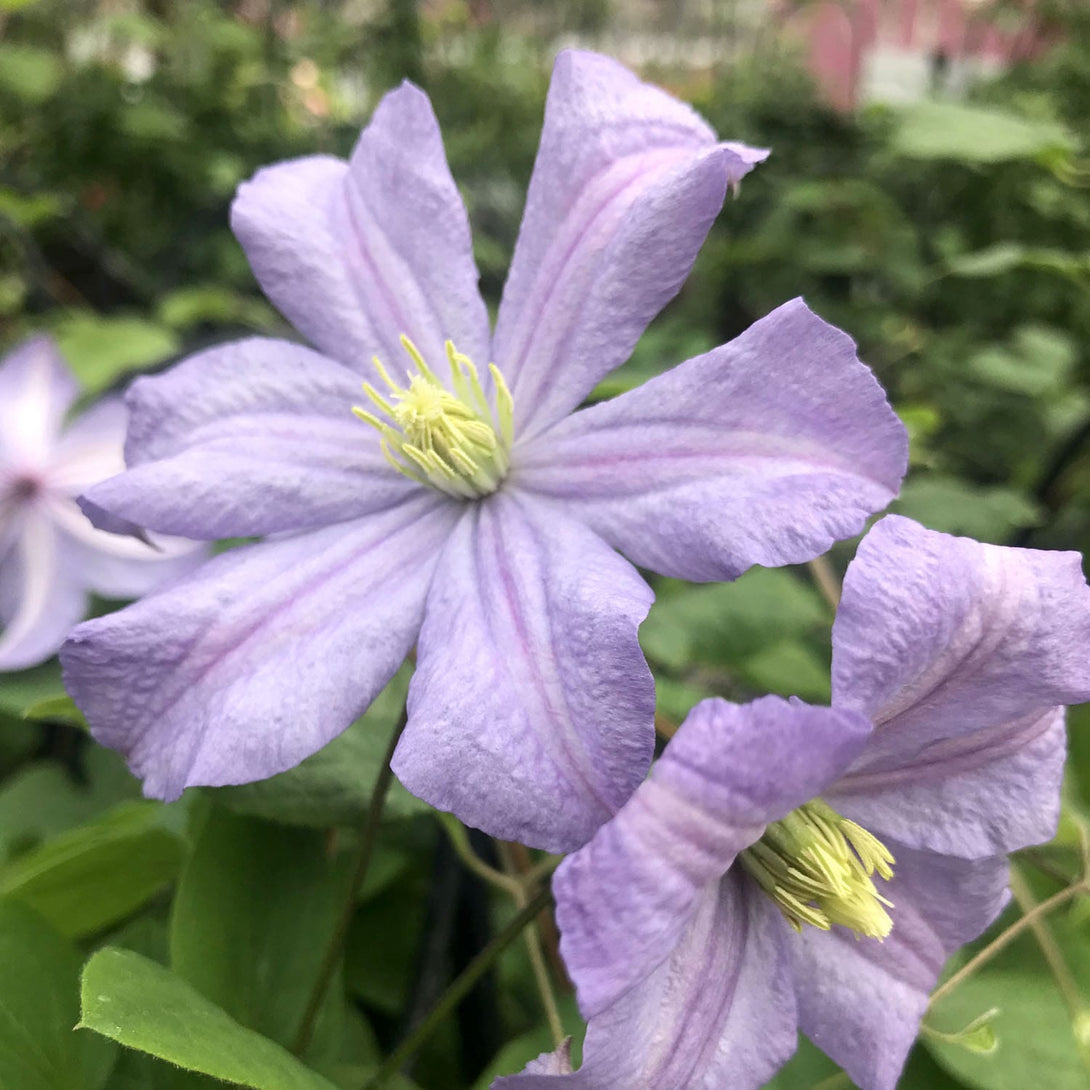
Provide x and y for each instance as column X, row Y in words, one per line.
column 818, row 866
column 449, row 439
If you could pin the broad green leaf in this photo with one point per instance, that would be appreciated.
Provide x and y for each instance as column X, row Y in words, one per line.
column 39, row 982
column 333, row 787
column 29, row 209
column 38, row 801
column 730, row 622
column 1032, row 1027
column 95, row 875
column 253, row 911
column 25, row 687
column 958, row 507
column 29, row 72
column 790, row 668
column 141, row 1005
column 56, row 709
column 102, row 350
column 975, row 134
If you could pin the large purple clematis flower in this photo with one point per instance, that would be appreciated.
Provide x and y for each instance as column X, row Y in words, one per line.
column 467, row 509
column 876, row 830
column 50, row 555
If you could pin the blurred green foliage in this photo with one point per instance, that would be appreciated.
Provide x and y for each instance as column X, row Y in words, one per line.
column 952, row 239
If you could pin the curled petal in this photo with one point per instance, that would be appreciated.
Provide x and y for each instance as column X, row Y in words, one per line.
column 861, row 1000
column 260, row 658
column 979, row 794
column 626, row 184
column 36, row 390
column 939, row 636
column 530, row 681
column 625, row 899
column 763, row 451
column 356, row 254
column 249, row 438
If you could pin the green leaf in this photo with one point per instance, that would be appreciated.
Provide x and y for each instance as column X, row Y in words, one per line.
column 39, row 979
column 103, row 350
column 254, row 908
column 958, row 507
column 333, row 787
column 1032, row 1027
column 28, row 72
column 92, row 876
column 730, row 622
column 975, row 134
column 143, row 1006
column 56, row 709
column 978, row 1036
column 25, row 687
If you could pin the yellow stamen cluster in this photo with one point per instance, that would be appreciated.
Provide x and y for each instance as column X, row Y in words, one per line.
column 817, row 866
column 445, row 438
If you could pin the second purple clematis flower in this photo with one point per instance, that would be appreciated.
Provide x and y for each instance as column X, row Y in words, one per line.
column 51, row 557
column 465, row 507
column 788, row 867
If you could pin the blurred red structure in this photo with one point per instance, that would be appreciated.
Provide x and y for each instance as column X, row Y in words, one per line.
column 914, row 46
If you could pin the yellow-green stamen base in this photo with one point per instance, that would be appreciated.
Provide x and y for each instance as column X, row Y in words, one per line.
column 818, row 866
column 445, row 438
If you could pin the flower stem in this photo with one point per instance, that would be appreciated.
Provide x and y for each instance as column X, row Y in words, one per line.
column 533, row 949
column 821, row 571
column 368, row 837
column 459, row 987
column 1006, row 937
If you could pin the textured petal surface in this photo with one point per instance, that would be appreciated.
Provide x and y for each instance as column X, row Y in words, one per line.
column 41, row 597
column 938, row 637
column 250, row 438
column 719, row 1012
column 861, row 1000
column 763, row 451
column 36, row 390
column 263, row 656
column 355, row 254
column 625, row 899
column 985, row 793
column 530, row 681
column 626, row 184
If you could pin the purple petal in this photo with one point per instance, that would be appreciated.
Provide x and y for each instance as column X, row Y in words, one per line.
column 41, row 597
column 985, row 793
column 938, row 637
column 763, row 451
column 718, row 1012
column 625, row 899
column 36, row 390
column 626, row 184
column 538, row 1072
column 259, row 659
column 530, row 682
column 249, row 438
column 356, row 254
column 118, row 566
column 861, row 1000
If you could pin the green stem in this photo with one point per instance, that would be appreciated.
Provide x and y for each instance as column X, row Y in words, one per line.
column 368, row 837
column 462, row 984
column 542, row 980
column 1005, row 938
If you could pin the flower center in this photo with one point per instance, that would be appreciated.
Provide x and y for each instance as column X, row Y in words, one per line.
column 817, row 867
column 450, row 440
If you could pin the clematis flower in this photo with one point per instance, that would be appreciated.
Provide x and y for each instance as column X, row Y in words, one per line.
column 50, row 555
column 465, row 507
column 788, row 867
